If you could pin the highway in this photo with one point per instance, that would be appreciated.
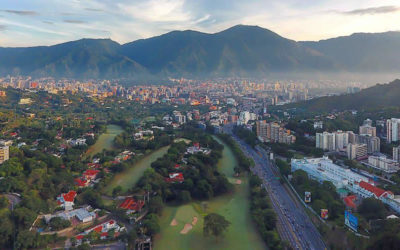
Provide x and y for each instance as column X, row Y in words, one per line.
column 293, row 224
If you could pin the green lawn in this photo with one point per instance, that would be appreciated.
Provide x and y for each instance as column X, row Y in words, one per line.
column 128, row 178
column 241, row 234
column 105, row 140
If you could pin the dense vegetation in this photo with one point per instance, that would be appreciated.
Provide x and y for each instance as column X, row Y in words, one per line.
column 263, row 214
column 374, row 98
column 324, row 196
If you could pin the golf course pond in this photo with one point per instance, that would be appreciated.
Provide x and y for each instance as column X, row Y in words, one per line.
column 105, row 140
column 182, row 226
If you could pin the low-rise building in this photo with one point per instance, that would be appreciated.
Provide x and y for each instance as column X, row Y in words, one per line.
column 383, row 163
column 66, row 200
column 4, row 154
column 323, row 169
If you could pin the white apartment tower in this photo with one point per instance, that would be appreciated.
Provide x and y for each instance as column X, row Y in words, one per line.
column 392, row 130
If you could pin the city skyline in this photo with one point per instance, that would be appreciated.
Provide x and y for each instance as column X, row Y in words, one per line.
column 44, row 22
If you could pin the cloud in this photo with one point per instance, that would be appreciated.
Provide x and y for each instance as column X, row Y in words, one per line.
column 373, row 11
column 47, row 22
column 93, row 9
column 3, row 27
column 202, row 19
column 158, row 11
column 22, row 12
column 74, row 21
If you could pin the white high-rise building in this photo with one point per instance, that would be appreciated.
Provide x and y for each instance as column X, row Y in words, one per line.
column 396, row 154
column 392, row 130
column 332, row 141
column 341, row 139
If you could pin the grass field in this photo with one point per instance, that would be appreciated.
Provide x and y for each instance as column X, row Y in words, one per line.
column 241, row 234
column 128, row 178
column 105, row 140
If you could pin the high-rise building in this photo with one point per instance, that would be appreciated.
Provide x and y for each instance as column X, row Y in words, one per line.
column 373, row 143
column 392, row 130
column 341, row 140
column 332, row 141
column 396, row 154
column 367, row 122
column 4, row 154
column 273, row 132
column 367, row 130
column 275, row 127
column 356, row 151
column 261, row 130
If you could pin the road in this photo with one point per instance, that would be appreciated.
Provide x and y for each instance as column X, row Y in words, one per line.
column 293, row 225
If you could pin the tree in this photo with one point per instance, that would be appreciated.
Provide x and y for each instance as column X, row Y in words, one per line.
column 184, row 196
column 215, row 225
column 131, row 237
column 372, row 209
column 117, row 190
column 156, row 205
column 58, row 223
column 151, row 224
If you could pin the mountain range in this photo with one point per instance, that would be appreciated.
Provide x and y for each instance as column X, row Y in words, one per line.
column 238, row 51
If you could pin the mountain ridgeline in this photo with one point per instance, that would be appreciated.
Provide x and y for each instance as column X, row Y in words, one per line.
column 237, row 51
column 373, row 98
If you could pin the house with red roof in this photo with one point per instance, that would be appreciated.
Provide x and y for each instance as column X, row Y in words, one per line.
column 104, row 227
column 82, row 182
column 66, row 200
column 132, row 205
column 175, row 178
column 90, row 174
column 373, row 191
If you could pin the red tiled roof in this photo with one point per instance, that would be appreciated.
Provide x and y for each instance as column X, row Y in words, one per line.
column 79, row 237
column 98, row 229
column 349, row 200
column 104, row 234
column 91, row 172
column 70, row 196
column 131, row 204
column 175, row 177
column 81, row 182
column 377, row 191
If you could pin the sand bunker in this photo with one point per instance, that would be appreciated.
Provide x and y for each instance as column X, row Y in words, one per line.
column 173, row 223
column 186, row 228
column 238, row 182
column 194, row 221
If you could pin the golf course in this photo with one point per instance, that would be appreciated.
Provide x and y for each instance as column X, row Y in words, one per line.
column 182, row 226
column 105, row 140
column 130, row 176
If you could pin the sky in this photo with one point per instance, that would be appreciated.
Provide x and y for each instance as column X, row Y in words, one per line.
column 47, row 22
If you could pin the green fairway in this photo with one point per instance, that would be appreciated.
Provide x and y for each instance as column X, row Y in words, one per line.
column 105, row 140
column 129, row 177
column 241, row 234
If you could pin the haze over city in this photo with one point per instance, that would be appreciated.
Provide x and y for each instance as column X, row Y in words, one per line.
column 204, row 125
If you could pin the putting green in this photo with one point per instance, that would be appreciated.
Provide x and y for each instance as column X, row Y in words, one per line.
column 241, row 234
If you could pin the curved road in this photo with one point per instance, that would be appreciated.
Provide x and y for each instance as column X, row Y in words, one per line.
column 293, row 225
